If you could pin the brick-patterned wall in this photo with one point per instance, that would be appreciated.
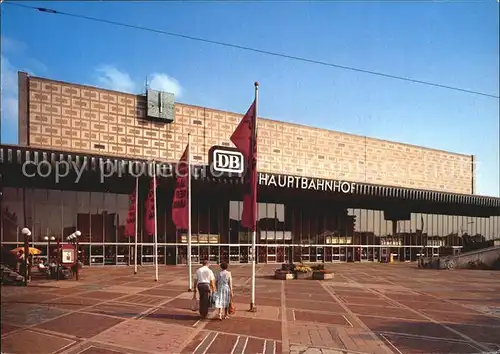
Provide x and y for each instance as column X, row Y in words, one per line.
column 81, row 118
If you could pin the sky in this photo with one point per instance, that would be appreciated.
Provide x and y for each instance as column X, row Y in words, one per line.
column 454, row 44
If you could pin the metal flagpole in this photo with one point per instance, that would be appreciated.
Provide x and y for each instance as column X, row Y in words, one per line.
column 136, row 221
column 156, row 224
column 190, row 271
column 254, row 232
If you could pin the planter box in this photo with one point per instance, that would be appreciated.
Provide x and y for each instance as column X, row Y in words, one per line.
column 322, row 276
column 283, row 276
column 300, row 275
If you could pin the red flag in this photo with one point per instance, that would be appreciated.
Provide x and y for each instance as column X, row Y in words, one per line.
column 149, row 221
column 131, row 219
column 245, row 140
column 180, row 212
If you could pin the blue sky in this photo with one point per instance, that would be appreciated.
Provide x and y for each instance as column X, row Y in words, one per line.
column 455, row 44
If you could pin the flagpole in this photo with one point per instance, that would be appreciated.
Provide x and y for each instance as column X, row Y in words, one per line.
column 190, row 272
column 254, row 231
column 156, row 224
column 136, row 221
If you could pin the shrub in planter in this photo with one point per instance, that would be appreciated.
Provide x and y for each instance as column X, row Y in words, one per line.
column 303, row 272
column 317, row 267
column 281, row 274
column 322, row 275
column 288, row 267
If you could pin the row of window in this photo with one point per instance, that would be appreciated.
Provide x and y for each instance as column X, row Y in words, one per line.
column 101, row 218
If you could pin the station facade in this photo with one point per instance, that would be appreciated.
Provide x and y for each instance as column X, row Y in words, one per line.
column 324, row 196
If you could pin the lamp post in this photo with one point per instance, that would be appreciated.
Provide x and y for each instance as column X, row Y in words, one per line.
column 26, row 236
column 73, row 238
column 48, row 239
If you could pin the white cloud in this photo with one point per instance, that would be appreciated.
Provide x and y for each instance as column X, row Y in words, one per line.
column 114, row 79
column 111, row 78
column 163, row 82
column 10, row 45
column 9, row 77
column 9, row 91
column 9, row 84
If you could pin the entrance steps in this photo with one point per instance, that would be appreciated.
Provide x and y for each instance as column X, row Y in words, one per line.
column 9, row 276
column 486, row 258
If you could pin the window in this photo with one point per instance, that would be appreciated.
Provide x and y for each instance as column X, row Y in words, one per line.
column 122, row 206
column 41, row 214
column 234, row 222
column 69, row 212
column 12, row 212
column 96, row 217
column 109, row 215
column 83, row 215
column 55, row 214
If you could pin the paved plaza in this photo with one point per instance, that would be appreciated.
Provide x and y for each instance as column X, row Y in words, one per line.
column 366, row 308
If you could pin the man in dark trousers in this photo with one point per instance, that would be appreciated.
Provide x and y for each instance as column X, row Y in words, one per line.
column 204, row 282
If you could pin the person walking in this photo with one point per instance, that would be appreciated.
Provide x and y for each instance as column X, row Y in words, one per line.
column 204, row 282
column 224, row 293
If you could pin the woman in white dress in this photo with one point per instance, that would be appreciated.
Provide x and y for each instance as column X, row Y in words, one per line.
column 224, row 291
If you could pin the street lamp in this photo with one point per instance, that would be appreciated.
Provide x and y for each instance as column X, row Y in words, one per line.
column 73, row 238
column 26, row 235
column 48, row 239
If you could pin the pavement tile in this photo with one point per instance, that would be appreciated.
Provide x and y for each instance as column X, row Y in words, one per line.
column 174, row 316
column 143, row 299
column 102, row 295
column 385, row 311
column 330, row 319
column 118, row 309
column 142, row 284
column 24, row 299
column 463, row 318
column 355, row 300
column 195, row 343
column 223, row 343
column 247, row 327
column 70, row 303
column 408, row 345
column 420, row 328
column 443, row 306
column 254, row 346
column 309, row 296
column 479, row 333
column 316, row 306
column 30, row 342
column 97, row 350
column 6, row 328
column 263, row 312
column 147, row 336
column 29, row 314
column 183, row 304
column 124, row 289
column 67, row 291
column 162, row 292
column 100, row 348
column 259, row 300
column 80, row 325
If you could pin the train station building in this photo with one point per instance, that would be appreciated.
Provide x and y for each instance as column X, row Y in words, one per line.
column 323, row 196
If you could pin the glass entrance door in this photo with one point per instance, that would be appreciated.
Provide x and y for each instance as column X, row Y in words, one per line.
column 305, row 256
column 147, row 255
column 271, row 254
column 244, row 252
column 122, row 255
column 281, row 254
column 234, row 254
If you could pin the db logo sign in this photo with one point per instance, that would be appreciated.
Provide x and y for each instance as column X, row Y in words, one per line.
column 226, row 160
